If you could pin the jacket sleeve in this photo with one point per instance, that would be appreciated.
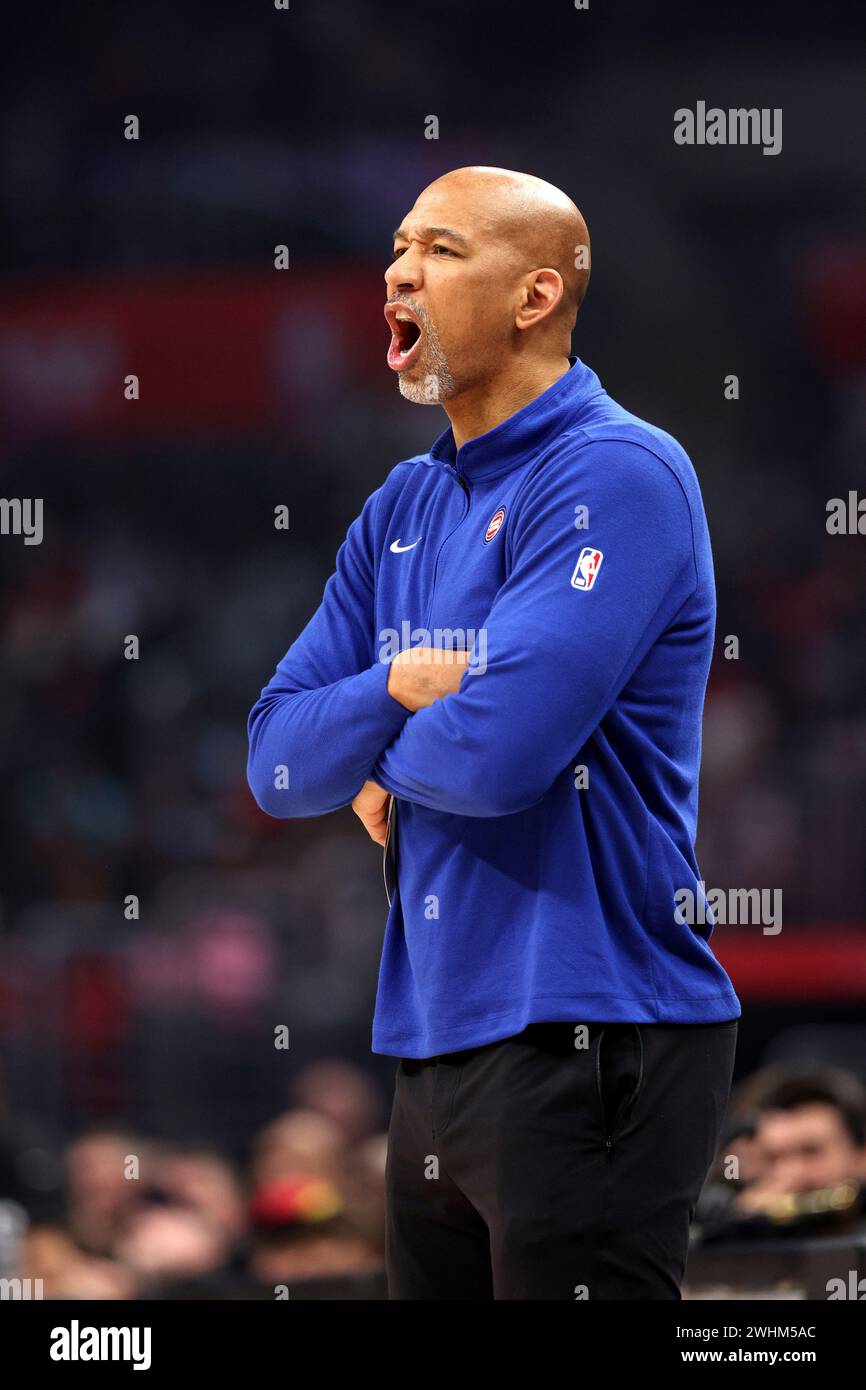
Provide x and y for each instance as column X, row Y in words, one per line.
column 326, row 714
column 556, row 655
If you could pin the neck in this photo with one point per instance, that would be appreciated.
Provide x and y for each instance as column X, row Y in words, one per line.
column 485, row 404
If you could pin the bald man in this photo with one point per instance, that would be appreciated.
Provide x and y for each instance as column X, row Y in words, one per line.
column 505, row 679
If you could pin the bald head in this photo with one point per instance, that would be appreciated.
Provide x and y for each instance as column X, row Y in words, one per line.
column 489, row 270
column 536, row 219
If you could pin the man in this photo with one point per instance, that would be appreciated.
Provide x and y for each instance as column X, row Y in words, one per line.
column 810, row 1133
column 566, row 1042
column 799, row 1141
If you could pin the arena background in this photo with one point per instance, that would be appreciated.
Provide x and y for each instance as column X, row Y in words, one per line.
column 259, row 388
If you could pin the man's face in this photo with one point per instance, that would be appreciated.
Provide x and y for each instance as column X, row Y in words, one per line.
column 807, row 1148
column 456, row 282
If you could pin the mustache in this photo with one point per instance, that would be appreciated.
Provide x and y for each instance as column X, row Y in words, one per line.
column 420, row 313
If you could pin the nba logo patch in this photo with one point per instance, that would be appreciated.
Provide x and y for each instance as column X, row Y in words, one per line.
column 586, row 569
column 494, row 524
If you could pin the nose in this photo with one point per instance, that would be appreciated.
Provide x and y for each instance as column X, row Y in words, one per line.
column 404, row 273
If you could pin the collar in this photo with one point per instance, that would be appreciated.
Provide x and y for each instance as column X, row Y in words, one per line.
column 526, row 431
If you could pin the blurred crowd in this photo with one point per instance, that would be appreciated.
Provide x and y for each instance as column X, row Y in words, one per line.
column 117, row 1215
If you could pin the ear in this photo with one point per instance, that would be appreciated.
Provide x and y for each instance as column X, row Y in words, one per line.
column 540, row 295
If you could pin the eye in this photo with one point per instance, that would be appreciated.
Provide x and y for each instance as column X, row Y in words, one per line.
column 398, row 252
column 437, row 246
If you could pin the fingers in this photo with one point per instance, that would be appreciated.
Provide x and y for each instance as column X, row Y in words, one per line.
column 377, row 830
column 374, row 822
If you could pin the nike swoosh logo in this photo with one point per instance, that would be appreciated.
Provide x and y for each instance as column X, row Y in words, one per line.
column 398, row 549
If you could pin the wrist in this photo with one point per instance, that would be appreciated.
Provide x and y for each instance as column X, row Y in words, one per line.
column 398, row 685
column 420, row 675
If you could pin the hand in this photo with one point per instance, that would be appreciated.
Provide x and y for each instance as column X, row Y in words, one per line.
column 371, row 806
column 420, row 675
column 759, row 1196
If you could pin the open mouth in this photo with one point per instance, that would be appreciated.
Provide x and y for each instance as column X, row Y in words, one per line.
column 405, row 336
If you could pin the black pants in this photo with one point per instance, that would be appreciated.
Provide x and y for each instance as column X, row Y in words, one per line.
column 537, row 1169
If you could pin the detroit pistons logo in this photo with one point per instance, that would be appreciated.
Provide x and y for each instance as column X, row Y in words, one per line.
column 494, row 524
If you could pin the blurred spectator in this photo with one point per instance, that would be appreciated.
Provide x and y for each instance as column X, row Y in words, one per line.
column 66, row 1272
column 167, row 1242
column 793, row 1159
column 343, row 1094
column 810, row 1133
column 299, row 1142
column 101, row 1191
column 203, row 1181
column 301, row 1231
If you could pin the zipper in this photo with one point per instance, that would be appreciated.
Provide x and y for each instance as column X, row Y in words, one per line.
column 465, row 486
column 608, row 1138
column 390, row 832
column 392, row 815
column 392, row 804
column 450, row 468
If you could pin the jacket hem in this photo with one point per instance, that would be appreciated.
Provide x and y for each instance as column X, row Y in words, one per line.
column 723, row 1007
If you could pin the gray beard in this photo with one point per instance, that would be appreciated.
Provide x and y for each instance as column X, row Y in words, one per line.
column 436, row 384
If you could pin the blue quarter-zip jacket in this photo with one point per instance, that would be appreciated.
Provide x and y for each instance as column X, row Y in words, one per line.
column 546, row 811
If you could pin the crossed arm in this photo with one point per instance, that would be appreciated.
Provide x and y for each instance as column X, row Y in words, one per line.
column 416, row 678
column 339, row 730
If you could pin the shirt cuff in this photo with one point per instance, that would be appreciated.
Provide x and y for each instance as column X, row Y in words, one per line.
column 374, row 684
